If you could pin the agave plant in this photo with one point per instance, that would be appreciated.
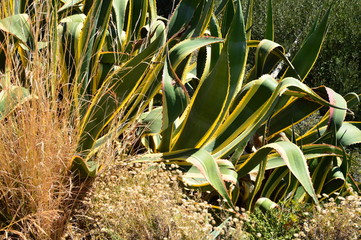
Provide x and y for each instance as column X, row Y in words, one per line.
column 229, row 129
column 209, row 118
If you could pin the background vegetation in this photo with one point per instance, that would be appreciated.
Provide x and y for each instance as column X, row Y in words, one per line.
column 338, row 65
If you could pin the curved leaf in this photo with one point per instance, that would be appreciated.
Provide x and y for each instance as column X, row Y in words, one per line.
column 12, row 97
column 293, row 158
column 18, row 25
column 181, row 50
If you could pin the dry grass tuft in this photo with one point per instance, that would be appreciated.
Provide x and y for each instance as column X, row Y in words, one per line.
column 36, row 146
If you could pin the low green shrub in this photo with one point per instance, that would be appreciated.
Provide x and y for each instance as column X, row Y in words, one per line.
column 337, row 219
column 283, row 222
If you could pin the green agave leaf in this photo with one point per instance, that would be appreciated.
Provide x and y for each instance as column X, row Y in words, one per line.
column 273, row 181
column 18, row 25
column 310, row 151
column 292, row 113
column 302, row 107
column 152, row 121
column 116, row 58
column 208, row 167
column 84, row 168
column 90, row 44
column 249, row 18
column 204, row 19
column 137, row 17
column 203, row 62
column 347, row 135
column 69, row 32
column 289, row 189
column 194, row 177
column 11, row 98
column 336, row 115
column 74, row 18
column 69, row 4
column 215, row 31
column 353, row 99
column 175, row 101
column 335, row 182
column 205, row 107
column 221, row 7
column 18, row 6
column 227, row 17
column 269, row 22
column 153, row 9
column 157, row 29
column 216, row 90
column 333, row 119
column 306, row 57
column 258, row 182
column 114, row 94
column 200, row 20
column 120, row 7
column 265, row 204
column 242, row 122
column 234, row 132
column 320, row 170
column 292, row 156
column 181, row 16
column 268, row 54
column 236, row 45
column 180, row 51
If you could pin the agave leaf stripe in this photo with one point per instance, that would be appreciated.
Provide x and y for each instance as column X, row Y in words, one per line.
column 245, row 114
column 69, row 4
column 201, row 120
column 335, row 182
column 204, row 19
column 294, row 112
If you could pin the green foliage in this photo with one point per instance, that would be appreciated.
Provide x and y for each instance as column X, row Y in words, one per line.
column 230, row 130
column 338, row 65
column 279, row 223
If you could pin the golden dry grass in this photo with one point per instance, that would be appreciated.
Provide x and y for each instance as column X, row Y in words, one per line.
column 37, row 141
column 36, row 146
